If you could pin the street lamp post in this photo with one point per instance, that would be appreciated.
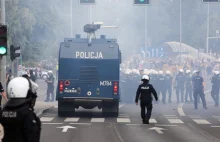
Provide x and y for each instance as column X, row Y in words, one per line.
column 90, row 14
column 71, row 18
column 181, row 26
column 207, row 34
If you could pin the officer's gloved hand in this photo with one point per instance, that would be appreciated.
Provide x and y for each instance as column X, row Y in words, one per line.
column 156, row 99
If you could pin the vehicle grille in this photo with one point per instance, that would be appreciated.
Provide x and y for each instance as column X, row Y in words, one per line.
column 88, row 74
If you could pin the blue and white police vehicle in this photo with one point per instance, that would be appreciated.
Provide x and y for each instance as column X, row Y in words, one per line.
column 88, row 74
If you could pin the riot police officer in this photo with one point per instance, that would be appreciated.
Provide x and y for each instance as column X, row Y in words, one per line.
column 168, row 83
column 180, row 80
column 144, row 92
column 188, row 85
column 215, row 87
column 198, row 89
column 17, row 117
column 162, row 89
column 50, row 86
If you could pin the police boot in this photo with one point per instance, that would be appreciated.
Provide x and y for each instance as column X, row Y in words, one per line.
column 205, row 107
column 216, row 105
column 145, row 121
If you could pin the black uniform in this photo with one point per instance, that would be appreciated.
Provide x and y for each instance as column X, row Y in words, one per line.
column 50, row 88
column 20, row 123
column 198, row 90
column 1, row 90
column 215, row 89
column 162, row 89
column 180, row 80
column 168, row 84
column 145, row 90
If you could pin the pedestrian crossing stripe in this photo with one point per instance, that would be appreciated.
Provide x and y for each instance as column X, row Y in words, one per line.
column 201, row 121
column 122, row 120
column 175, row 121
column 152, row 121
column 98, row 120
column 71, row 120
column 46, row 119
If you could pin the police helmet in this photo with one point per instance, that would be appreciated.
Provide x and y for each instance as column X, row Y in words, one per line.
column 196, row 71
column 137, row 72
column 188, row 71
column 160, row 72
column 168, row 72
column 145, row 77
column 156, row 72
column 50, row 72
column 216, row 72
column 21, row 90
column 181, row 70
column 133, row 70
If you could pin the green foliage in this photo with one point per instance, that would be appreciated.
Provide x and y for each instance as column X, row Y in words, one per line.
column 34, row 25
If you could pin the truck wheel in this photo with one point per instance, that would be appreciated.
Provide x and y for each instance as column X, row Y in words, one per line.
column 110, row 109
column 66, row 109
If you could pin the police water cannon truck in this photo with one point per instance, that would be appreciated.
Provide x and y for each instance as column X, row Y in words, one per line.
column 88, row 74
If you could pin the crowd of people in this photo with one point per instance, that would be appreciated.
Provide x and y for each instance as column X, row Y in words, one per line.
column 164, row 76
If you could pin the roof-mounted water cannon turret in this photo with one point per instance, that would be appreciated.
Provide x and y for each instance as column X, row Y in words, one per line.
column 90, row 29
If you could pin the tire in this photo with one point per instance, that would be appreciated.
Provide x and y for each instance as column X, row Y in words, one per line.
column 66, row 109
column 110, row 109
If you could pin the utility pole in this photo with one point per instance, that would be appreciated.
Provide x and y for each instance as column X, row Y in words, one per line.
column 207, row 32
column 71, row 17
column 181, row 50
column 90, row 14
column 3, row 59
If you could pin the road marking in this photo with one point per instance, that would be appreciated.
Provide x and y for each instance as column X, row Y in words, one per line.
column 71, row 120
column 201, row 121
column 169, row 115
column 181, row 112
column 152, row 121
column 195, row 116
column 165, row 125
column 180, row 105
column 123, row 120
column 135, row 124
column 81, row 123
column 121, row 105
column 98, row 120
column 175, row 121
column 52, row 123
column 123, row 116
column 215, row 126
column 157, row 129
column 216, row 116
column 65, row 128
column 46, row 119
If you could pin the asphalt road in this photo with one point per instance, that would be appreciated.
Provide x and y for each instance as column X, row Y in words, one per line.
column 169, row 123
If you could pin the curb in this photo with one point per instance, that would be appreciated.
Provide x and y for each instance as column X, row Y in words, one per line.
column 44, row 110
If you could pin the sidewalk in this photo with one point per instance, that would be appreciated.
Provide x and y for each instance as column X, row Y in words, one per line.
column 40, row 106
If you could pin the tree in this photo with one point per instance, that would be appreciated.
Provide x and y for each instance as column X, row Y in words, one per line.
column 31, row 23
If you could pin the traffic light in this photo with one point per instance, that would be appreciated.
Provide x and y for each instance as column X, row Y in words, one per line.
column 141, row 2
column 87, row 1
column 3, row 40
column 210, row 0
column 13, row 54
